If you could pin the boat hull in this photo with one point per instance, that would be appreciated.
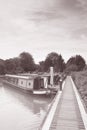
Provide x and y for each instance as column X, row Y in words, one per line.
column 35, row 92
column 41, row 92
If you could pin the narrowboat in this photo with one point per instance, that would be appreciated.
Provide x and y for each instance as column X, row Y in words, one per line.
column 39, row 84
column 35, row 84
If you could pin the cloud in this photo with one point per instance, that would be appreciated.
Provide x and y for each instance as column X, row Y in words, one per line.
column 54, row 9
column 43, row 25
column 83, row 4
column 80, row 33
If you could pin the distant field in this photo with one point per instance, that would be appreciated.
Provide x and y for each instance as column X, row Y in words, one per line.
column 80, row 79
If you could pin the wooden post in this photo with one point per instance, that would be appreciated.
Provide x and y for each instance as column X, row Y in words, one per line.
column 60, row 83
column 51, row 76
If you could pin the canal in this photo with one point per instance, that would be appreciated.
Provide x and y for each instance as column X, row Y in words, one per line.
column 20, row 110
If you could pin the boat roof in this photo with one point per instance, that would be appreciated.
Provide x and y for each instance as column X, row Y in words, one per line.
column 30, row 76
column 20, row 77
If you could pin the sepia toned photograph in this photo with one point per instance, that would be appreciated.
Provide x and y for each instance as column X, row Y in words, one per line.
column 43, row 65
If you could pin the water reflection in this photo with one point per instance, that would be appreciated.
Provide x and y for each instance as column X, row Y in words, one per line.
column 20, row 110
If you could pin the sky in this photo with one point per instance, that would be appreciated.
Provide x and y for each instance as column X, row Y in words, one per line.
column 43, row 26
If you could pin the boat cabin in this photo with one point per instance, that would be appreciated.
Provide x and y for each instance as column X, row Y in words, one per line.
column 27, row 83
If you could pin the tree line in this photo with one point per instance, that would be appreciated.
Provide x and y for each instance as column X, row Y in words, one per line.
column 25, row 63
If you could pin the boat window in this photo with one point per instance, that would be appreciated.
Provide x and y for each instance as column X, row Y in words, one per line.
column 48, row 80
column 42, row 83
column 21, row 82
column 29, row 84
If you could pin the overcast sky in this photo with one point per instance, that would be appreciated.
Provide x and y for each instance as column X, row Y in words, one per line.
column 43, row 26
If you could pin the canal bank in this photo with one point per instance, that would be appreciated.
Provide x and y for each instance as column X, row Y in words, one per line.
column 67, row 111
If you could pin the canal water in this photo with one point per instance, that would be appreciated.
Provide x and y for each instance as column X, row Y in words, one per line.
column 20, row 110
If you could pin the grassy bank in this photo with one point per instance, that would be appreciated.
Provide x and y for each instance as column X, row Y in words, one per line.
column 80, row 80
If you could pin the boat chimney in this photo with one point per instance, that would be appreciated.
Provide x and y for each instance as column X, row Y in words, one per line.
column 51, row 76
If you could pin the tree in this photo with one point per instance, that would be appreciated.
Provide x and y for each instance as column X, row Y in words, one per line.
column 71, row 67
column 76, row 61
column 17, row 67
column 55, row 60
column 13, row 66
column 71, row 61
column 41, row 66
column 80, row 62
column 2, row 67
column 10, row 66
column 61, row 64
column 27, row 61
